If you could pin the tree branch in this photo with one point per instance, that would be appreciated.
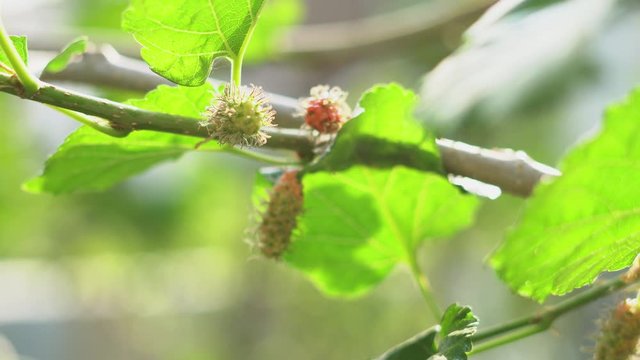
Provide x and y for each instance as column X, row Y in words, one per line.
column 334, row 40
column 126, row 118
column 106, row 67
column 401, row 28
column 529, row 325
column 512, row 171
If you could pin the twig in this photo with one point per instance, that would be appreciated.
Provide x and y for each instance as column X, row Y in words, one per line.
column 29, row 82
column 513, row 171
column 106, row 67
column 541, row 321
column 520, row 328
column 129, row 118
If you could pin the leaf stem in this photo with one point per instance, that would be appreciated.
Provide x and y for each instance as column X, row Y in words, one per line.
column 236, row 70
column 101, row 125
column 541, row 321
column 425, row 287
column 6, row 68
column 274, row 160
column 30, row 83
column 236, row 64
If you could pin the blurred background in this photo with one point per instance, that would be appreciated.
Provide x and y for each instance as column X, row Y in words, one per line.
column 159, row 267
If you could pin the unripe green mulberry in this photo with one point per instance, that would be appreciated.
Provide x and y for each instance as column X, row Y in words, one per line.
column 280, row 218
column 237, row 116
column 619, row 334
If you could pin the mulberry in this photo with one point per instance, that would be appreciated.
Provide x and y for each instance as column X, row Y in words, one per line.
column 237, row 116
column 280, row 218
column 326, row 110
column 619, row 334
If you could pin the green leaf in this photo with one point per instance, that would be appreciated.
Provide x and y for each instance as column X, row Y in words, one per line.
column 177, row 100
column 20, row 42
column 181, row 38
column 276, row 16
column 457, row 326
column 71, row 50
column 385, row 134
column 89, row 15
column 453, row 334
column 359, row 223
column 91, row 161
column 584, row 223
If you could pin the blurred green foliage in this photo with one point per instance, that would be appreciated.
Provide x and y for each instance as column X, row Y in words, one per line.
column 104, row 14
column 276, row 17
column 159, row 268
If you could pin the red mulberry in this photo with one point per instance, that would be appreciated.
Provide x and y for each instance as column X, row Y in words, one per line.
column 326, row 109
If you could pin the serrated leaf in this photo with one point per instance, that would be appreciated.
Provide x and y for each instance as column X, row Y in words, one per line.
column 359, row 223
column 276, row 16
column 181, row 38
column 92, row 161
column 71, row 50
column 457, row 326
column 587, row 221
column 20, row 43
column 385, row 134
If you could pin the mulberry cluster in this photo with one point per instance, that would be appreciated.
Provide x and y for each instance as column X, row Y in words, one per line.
column 619, row 334
column 237, row 116
column 280, row 218
column 326, row 110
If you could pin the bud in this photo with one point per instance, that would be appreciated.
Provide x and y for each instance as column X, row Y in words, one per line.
column 326, row 110
column 237, row 116
column 619, row 334
column 280, row 218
